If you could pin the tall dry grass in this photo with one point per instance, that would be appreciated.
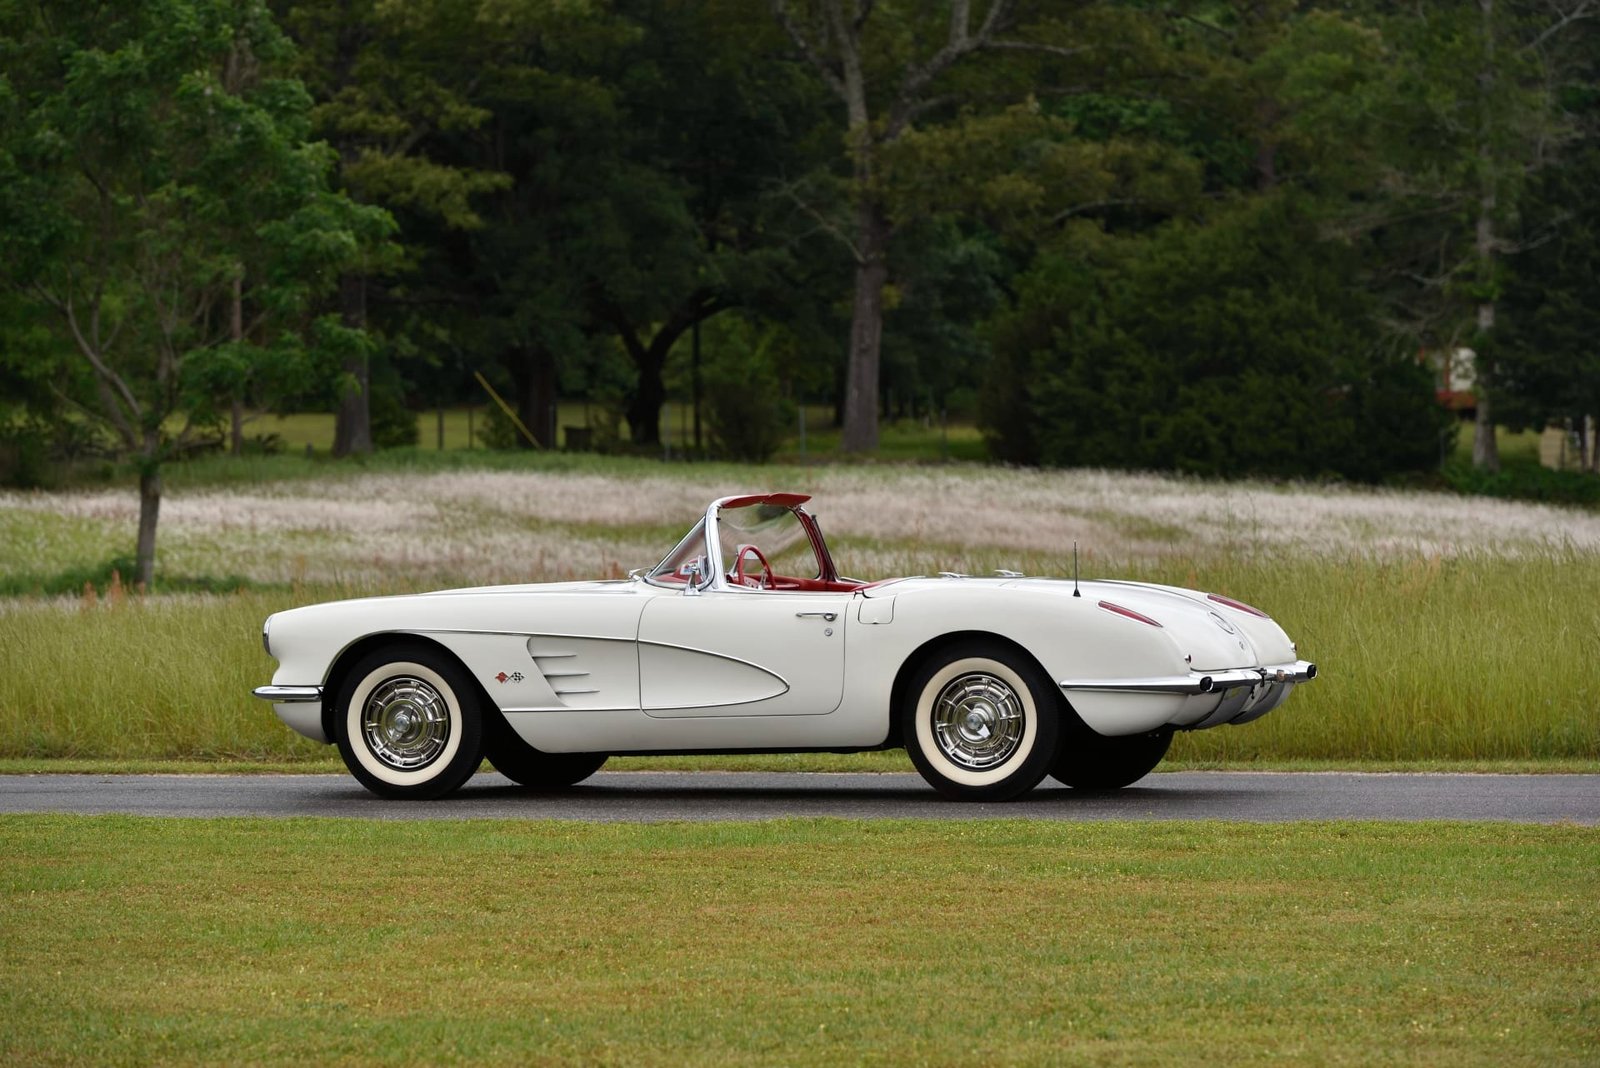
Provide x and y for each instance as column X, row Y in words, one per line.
column 1446, row 628
column 1465, row 658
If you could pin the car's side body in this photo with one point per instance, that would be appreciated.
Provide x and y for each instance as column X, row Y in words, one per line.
column 694, row 657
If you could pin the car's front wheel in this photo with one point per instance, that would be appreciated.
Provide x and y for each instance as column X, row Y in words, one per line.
column 534, row 768
column 1089, row 761
column 408, row 723
column 980, row 722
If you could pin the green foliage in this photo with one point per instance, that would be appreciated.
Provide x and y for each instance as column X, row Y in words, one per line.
column 393, row 424
column 577, row 185
column 746, row 404
column 1222, row 348
column 498, row 432
column 1549, row 361
column 25, row 454
column 157, row 178
column 1524, row 480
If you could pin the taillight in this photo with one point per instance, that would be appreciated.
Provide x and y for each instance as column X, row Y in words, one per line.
column 1130, row 613
column 1238, row 606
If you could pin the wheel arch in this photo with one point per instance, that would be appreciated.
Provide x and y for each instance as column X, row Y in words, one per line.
column 931, row 649
column 351, row 655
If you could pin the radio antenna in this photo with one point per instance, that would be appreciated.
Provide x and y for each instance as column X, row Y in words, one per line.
column 1075, row 592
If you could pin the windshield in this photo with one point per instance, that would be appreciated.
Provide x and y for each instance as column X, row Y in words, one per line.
column 776, row 533
column 689, row 557
column 774, row 543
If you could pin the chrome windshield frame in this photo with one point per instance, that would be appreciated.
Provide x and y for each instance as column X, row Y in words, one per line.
column 713, row 578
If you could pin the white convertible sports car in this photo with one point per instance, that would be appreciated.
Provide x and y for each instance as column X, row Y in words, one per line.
column 746, row 639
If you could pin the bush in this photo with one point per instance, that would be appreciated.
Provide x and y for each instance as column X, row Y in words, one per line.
column 25, row 455
column 1524, row 480
column 1223, row 349
column 394, row 425
column 745, row 406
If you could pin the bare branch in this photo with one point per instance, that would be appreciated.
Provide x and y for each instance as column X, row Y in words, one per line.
column 112, row 390
column 1095, row 205
column 828, row 227
column 863, row 13
column 992, row 19
column 1195, row 20
column 1586, row 9
column 835, row 80
column 1031, row 46
column 916, row 111
column 961, row 43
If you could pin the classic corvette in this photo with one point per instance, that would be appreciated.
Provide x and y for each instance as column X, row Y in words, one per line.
column 745, row 638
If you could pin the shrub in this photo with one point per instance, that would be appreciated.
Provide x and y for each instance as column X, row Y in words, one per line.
column 1221, row 349
column 745, row 405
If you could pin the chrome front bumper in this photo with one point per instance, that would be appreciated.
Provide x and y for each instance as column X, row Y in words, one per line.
column 287, row 695
column 300, row 708
column 1196, row 682
column 1209, row 698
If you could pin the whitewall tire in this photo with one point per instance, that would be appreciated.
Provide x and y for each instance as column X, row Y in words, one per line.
column 1089, row 761
column 520, row 762
column 408, row 723
column 981, row 722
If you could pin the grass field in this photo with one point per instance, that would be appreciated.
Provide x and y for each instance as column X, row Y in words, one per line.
column 800, row 942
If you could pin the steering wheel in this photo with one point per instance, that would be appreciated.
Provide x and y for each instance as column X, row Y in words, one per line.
column 738, row 567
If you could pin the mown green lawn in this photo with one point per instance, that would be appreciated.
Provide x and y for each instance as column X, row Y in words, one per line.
column 133, row 941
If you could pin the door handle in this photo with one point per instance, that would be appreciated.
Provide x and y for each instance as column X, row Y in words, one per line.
column 828, row 617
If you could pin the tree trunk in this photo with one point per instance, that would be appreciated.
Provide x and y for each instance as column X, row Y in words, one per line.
column 236, row 330
column 352, row 424
column 149, row 512
column 866, row 330
column 644, row 411
column 694, row 382
column 1485, row 450
column 533, row 374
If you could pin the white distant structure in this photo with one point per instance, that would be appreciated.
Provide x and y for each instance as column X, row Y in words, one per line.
column 1455, row 377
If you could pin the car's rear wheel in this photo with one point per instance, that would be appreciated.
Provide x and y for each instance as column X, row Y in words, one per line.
column 527, row 766
column 980, row 722
column 1089, row 761
column 408, row 723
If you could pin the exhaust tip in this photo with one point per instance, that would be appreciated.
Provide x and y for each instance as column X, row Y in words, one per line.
column 1311, row 671
column 1207, row 684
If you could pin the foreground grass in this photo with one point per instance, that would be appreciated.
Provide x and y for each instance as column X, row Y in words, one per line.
column 134, row 940
column 1466, row 659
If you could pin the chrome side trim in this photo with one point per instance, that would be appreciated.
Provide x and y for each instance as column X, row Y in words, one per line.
column 1197, row 682
column 286, row 695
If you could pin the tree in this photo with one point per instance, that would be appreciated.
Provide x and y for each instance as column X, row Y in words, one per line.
column 1549, row 359
column 1477, row 113
column 890, row 67
column 157, row 186
column 1243, row 344
column 390, row 81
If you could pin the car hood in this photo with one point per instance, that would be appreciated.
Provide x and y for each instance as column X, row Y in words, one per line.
column 587, row 586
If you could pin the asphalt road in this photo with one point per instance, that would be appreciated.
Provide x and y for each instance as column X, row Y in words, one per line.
column 711, row 796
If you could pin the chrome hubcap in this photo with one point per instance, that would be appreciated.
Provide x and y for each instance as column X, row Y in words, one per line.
column 406, row 723
column 978, row 721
